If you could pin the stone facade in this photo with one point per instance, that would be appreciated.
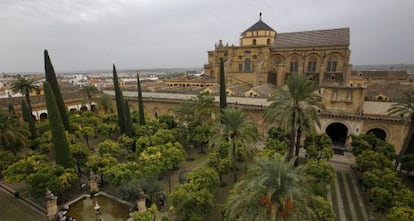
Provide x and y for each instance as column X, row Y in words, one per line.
column 265, row 56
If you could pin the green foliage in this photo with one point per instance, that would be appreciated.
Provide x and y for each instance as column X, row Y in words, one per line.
column 55, row 178
column 321, row 170
column 13, row 134
column 295, row 108
column 223, row 94
column 57, row 96
column 203, row 178
column 278, row 133
column 141, row 113
column 110, row 147
column 6, row 159
column 400, row 213
column 59, row 139
column 235, row 127
column 107, row 129
column 160, row 158
column 380, row 198
column 19, row 170
column 322, row 209
column 104, row 104
column 120, row 105
column 125, row 142
column 319, row 147
column 276, row 146
column 385, row 178
column 369, row 160
column 80, row 153
column 128, row 120
column 152, row 187
column 149, row 215
column 190, row 204
column 322, row 174
column 371, row 142
column 122, row 173
column 407, row 163
column 40, row 174
column 96, row 163
column 404, row 107
column 28, row 118
column 266, row 190
column 86, row 132
column 168, row 120
column 25, row 86
column 220, row 159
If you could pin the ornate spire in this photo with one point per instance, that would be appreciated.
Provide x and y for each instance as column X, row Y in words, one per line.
column 260, row 16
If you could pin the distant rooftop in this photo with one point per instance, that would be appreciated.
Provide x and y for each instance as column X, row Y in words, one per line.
column 328, row 37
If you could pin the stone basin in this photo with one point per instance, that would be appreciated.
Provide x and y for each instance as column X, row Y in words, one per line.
column 110, row 208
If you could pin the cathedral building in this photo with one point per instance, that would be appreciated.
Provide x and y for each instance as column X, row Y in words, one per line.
column 349, row 106
column 266, row 56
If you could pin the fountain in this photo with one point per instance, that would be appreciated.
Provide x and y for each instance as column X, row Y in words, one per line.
column 99, row 207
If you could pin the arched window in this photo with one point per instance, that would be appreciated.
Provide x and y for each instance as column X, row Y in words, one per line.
column 247, row 65
column 254, row 41
column 268, row 41
column 332, row 63
column 294, row 65
column 312, row 64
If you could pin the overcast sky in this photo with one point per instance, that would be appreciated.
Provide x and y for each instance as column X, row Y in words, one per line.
column 86, row 35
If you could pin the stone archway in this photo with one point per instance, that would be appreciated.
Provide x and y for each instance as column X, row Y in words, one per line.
column 338, row 132
column 43, row 116
column 379, row 133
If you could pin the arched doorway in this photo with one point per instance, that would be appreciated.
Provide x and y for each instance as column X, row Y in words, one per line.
column 379, row 133
column 338, row 132
column 43, row 116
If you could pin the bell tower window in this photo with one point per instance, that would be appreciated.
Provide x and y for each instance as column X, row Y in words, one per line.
column 294, row 65
column 247, row 65
column 312, row 65
column 332, row 63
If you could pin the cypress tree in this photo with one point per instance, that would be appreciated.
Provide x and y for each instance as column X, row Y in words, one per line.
column 128, row 121
column 120, row 106
column 51, row 78
column 223, row 95
column 59, row 138
column 28, row 118
column 141, row 113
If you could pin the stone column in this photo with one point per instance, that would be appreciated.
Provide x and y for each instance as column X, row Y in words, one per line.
column 51, row 205
column 93, row 183
column 141, row 201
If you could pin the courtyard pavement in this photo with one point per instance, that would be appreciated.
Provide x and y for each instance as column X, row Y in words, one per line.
column 346, row 199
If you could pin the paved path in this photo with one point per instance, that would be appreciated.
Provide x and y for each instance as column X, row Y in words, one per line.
column 345, row 197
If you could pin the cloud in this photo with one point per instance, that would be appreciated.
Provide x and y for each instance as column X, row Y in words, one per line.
column 92, row 34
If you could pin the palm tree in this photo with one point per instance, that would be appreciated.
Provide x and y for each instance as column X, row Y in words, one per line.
column 25, row 86
column 273, row 190
column 238, row 130
column 404, row 107
column 295, row 107
column 13, row 134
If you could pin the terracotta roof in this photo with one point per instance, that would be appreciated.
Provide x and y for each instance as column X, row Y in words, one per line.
column 260, row 25
column 384, row 75
column 265, row 89
column 328, row 37
column 392, row 90
column 239, row 89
